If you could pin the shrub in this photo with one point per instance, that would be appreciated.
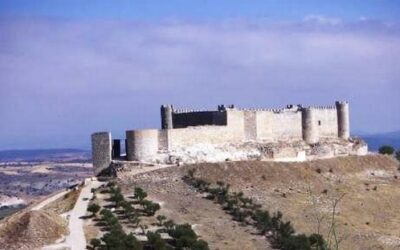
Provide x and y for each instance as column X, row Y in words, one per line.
column 93, row 208
column 386, row 150
column 128, row 209
column 298, row 242
column 169, row 224
column 155, row 241
column 317, row 242
column 263, row 221
column 116, row 239
column 184, row 236
column 160, row 219
column 150, row 208
column 109, row 218
column 118, row 198
column 200, row 245
column 134, row 219
column 139, row 194
column 95, row 243
column 398, row 155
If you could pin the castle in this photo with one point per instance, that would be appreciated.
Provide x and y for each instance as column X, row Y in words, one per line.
column 183, row 129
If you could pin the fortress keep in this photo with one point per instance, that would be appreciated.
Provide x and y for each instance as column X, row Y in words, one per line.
column 291, row 133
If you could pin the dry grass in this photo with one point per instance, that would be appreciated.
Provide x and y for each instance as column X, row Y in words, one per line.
column 65, row 203
column 31, row 230
column 367, row 218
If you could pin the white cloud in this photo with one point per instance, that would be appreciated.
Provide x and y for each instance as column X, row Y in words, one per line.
column 59, row 77
column 319, row 19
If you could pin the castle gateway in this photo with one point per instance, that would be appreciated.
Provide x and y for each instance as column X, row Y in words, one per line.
column 291, row 133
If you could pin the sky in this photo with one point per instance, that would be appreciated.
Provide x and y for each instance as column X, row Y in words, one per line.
column 70, row 68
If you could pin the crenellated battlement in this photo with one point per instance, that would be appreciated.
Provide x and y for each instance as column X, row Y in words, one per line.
column 185, row 110
column 323, row 107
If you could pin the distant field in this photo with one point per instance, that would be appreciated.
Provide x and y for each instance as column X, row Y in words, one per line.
column 45, row 155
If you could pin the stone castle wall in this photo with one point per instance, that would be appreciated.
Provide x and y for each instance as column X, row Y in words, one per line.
column 101, row 151
column 187, row 128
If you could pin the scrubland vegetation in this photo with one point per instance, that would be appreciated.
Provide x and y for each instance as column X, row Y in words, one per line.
column 280, row 233
column 165, row 234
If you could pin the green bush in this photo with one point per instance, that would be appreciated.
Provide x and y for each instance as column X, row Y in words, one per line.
column 263, row 221
column 95, row 243
column 139, row 194
column 298, row 242
column 200, row 245
column 386, row 150
column 155, row 241
column 93, row 208
column 149, row 207
column 183, row 235
column 169, row 224
column 116, row 239
column 318, row 242
column 186, row 238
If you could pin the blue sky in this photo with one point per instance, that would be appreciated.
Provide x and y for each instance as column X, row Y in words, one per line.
column 69, row 68
column 205, row 9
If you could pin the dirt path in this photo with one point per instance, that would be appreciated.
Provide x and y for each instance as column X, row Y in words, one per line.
column 76, row 239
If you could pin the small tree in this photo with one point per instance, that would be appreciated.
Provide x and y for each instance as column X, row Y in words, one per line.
column 134, row 219
column 155, row 241
column 200, row 245
column 93, row 208
column 96, row 243
column 160, row 219
column 169, row 224
column 128, row 209
column 263, row 221
column 386, row 150
column 139, row 194
column 118, row 198
column 150, row 208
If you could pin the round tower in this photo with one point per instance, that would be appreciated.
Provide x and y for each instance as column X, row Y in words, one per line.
column 141, row 144
column 343, row 118
column 309, row 126
column 166, row 117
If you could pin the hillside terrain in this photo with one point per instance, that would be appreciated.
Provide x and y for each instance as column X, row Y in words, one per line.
column 31, row 230
column 367, row 191
column 29, row 175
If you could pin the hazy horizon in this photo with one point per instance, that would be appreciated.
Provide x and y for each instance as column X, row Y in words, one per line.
column 68, row 69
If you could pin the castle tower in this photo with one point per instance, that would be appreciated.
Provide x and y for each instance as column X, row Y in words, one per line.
column 309, row 126
column 343, row 119
column 166, row 117
column 141, row 144
column 101, row 151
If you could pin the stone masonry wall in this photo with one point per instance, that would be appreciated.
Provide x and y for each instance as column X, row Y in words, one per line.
column 283, row 125
column 101, row 151
column 327, row 122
